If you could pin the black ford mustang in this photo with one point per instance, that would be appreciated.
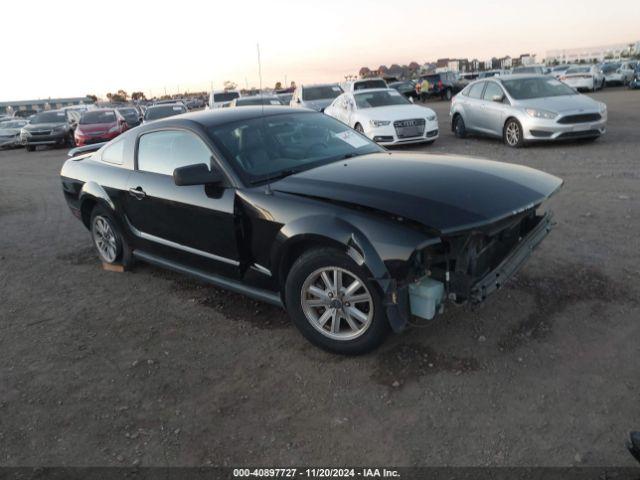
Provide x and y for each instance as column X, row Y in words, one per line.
column 292, row 207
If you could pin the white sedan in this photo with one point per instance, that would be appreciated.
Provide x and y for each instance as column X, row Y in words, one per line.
column 385, row 116
column 584, row 77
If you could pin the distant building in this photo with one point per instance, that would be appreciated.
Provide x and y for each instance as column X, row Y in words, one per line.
column 505, row 63
column 588, row 54
column 42, row 104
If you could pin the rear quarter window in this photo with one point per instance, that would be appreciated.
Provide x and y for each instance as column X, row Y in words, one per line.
column 114, row 153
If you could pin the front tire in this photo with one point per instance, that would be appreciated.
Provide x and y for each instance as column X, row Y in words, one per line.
column 459, row 128
column 512, row 134
column 334, row 304
column 358, row 128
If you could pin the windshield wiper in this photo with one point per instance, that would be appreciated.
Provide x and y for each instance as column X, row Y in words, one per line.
column 276, row 176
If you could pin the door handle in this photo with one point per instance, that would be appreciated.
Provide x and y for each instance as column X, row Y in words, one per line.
column 137, row 192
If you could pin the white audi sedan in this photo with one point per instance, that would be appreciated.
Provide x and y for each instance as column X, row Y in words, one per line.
column 385, row 116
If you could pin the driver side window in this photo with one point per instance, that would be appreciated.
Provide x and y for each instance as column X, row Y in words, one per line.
column 164, row 151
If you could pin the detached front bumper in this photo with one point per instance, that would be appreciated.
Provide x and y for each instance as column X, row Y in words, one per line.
column 387, row 135
column 495, row 279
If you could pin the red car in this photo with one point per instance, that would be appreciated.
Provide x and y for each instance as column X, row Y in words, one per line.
column 100, row 125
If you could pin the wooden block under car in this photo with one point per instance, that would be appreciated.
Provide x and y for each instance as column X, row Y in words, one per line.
column 113, row 267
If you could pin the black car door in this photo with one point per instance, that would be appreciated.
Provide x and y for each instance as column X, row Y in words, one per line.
column 192, row 225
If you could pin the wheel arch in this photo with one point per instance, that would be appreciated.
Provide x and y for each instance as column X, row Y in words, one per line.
column 91, row 195
column 456, row 114
column 324, row 231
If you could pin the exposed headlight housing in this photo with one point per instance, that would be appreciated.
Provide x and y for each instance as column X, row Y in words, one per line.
column 603, row 108
column 537, row 113
column 24, row 133
column 379, row 123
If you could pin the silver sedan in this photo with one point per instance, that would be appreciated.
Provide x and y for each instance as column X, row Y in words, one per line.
column 525, row 108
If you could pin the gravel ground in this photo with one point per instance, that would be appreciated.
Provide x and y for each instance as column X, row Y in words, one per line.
column 148, row 367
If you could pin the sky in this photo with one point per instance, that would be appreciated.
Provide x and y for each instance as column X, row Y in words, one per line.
column 73, row 48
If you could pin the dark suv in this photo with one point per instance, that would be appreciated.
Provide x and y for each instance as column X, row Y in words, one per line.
column 444, row 85
column 54, row 127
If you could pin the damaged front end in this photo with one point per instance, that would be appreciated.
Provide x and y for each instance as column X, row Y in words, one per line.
column 469, row 265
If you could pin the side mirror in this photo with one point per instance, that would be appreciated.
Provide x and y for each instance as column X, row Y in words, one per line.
column 498, row 98
column 197, row 174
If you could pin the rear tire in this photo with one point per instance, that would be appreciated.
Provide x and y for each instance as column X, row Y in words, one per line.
column 512, row 134
column 349, row 318
column 111, row 246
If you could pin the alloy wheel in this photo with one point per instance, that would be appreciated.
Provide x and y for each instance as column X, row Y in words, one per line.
column 105, row 239
column 513, row 134
column 337, row 303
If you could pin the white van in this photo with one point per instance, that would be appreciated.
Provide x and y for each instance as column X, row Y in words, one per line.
column 222, row 98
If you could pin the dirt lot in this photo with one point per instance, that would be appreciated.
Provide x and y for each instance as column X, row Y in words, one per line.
column 148, row 367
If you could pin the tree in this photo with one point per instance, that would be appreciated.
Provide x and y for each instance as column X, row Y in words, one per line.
column 364, row 72
column 382, row 69
column 229, row 85
column 92, row 98
column 119, row 97
column 278, row 86
column 138, row 96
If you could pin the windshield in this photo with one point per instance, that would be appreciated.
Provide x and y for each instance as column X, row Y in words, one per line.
column 225, row 96
column 246, row 101
column 49, row 117
column 285, row 98
column 383, row 98
column 321, row 93
column 128, row 112
column 98, row 117
column 163, row 111
column 488, row 74
column 364, row 84
column 274, row 145
column 527, row 70
column 536, row 87
column 610, row 67
column 560, row 68
column 578, row 70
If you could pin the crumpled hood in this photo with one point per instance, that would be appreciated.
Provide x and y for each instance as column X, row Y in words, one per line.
column 443, row 193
